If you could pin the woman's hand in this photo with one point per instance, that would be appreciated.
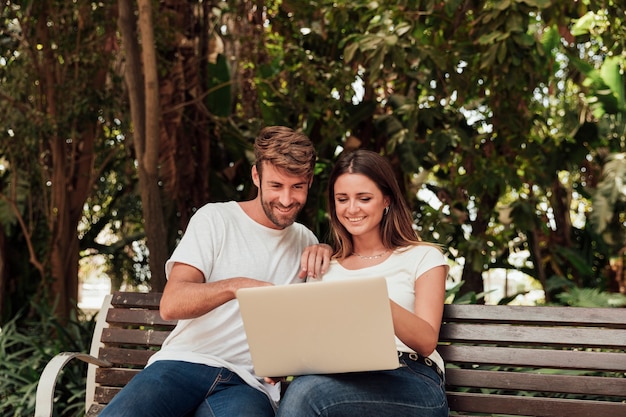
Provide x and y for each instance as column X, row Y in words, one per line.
column 315, row 260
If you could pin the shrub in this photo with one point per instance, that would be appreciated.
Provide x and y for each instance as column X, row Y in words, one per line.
column 27, row 343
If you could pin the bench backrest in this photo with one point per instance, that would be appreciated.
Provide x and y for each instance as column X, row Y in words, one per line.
column 526, row 361
column 566, row 361
column 128, row 332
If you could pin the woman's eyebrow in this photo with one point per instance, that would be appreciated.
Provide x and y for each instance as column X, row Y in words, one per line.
column 358, row 194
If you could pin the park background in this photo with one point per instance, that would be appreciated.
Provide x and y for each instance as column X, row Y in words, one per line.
column 504, row 122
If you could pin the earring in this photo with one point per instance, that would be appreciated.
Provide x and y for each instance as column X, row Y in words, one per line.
column 386, row 210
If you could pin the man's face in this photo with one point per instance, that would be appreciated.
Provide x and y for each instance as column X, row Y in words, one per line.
column 282, row 195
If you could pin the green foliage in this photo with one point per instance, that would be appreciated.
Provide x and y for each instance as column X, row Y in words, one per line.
column 218, row 100
column 453, row 295
column 609, row 202
column 591, row 297
column 27, row 343
column 481, row 104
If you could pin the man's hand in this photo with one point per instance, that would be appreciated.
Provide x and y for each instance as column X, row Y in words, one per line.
column 315, row 260
column 274, row 379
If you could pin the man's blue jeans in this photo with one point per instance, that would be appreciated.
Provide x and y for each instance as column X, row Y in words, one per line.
column 414, row 390
column 183, row 389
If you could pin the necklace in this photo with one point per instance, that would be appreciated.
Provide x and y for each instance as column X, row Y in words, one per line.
column 380, row 255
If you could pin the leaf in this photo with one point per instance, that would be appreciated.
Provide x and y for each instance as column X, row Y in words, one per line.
column 218, row 99
column 502, row 53
column 441, row 141
column 515, row 23
column 611, row 101
column 377, row 61
column 608, row 191
column 550, row 39
column 490, row 38
column 539, row 4
column 524, row 40
column 584, row 24
column 389, row 125
column 502, row 5
column 391, row 40
column 591, row 297
column 370, row 42
column 402, row 28
column 407, row 153
column 489, row 57
column 349, row 51
column 611, row 75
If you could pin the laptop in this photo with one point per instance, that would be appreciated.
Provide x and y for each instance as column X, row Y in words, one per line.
column 319, row 328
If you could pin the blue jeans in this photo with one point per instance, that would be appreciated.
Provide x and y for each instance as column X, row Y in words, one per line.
column 183, row 389
column 412, row 390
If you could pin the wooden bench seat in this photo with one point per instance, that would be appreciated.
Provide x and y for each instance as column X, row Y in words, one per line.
column 500, row 360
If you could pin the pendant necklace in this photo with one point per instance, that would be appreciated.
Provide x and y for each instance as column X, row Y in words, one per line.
column 380, row 255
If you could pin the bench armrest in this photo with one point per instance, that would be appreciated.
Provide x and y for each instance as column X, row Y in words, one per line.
column 48, row 378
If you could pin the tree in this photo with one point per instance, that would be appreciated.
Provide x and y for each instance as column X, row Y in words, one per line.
column 54, row 126
column 142, row 82
column 480, row 105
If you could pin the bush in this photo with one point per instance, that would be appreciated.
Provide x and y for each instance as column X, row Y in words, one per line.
column 27, row 343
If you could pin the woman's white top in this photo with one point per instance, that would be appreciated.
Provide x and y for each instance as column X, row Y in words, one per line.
column 401, row 269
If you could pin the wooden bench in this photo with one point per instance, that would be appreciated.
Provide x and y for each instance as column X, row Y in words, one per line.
column 518, row 361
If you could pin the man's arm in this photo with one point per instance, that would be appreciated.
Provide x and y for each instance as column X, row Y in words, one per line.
column 188, row 296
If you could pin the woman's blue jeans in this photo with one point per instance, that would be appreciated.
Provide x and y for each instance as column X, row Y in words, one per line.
column 412, row 390
column 183, row 389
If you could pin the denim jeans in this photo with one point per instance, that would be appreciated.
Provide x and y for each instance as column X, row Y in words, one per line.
column 183, row 389
column 412, row 390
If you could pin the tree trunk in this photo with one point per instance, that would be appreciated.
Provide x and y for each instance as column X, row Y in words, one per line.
column 143, row 92
column 71, row 146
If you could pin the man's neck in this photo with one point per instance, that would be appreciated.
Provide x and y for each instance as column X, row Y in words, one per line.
column 254, row 210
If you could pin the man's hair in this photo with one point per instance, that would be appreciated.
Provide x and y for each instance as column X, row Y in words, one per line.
column 286, row 149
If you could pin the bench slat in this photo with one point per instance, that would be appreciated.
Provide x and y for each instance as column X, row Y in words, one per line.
column 534, row 335
column 149, row 337
column 534, row 406
column 94, row 410
column 527, row 381
column 544, row 358
column 115, row 377
column 124, row 299
column 122, row 317
column 129, row 357
column 104, row 395
column 569, row 316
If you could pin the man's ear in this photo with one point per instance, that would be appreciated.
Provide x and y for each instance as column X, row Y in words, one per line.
column 310, row 182
column 255, row 177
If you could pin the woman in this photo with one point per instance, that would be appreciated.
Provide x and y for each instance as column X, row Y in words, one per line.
column 373, row 235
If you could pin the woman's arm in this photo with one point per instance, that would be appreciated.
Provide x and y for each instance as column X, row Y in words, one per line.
column 420, row 330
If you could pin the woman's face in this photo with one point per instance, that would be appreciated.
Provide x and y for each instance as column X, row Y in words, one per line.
column 359, row 204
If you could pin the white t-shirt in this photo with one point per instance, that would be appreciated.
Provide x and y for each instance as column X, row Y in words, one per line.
column 223, row 242
column 400, row 270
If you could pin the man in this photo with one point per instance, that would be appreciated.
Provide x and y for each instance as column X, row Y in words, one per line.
column 204, row 367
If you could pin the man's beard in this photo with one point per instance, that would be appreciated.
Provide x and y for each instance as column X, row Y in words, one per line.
column 279, row 221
